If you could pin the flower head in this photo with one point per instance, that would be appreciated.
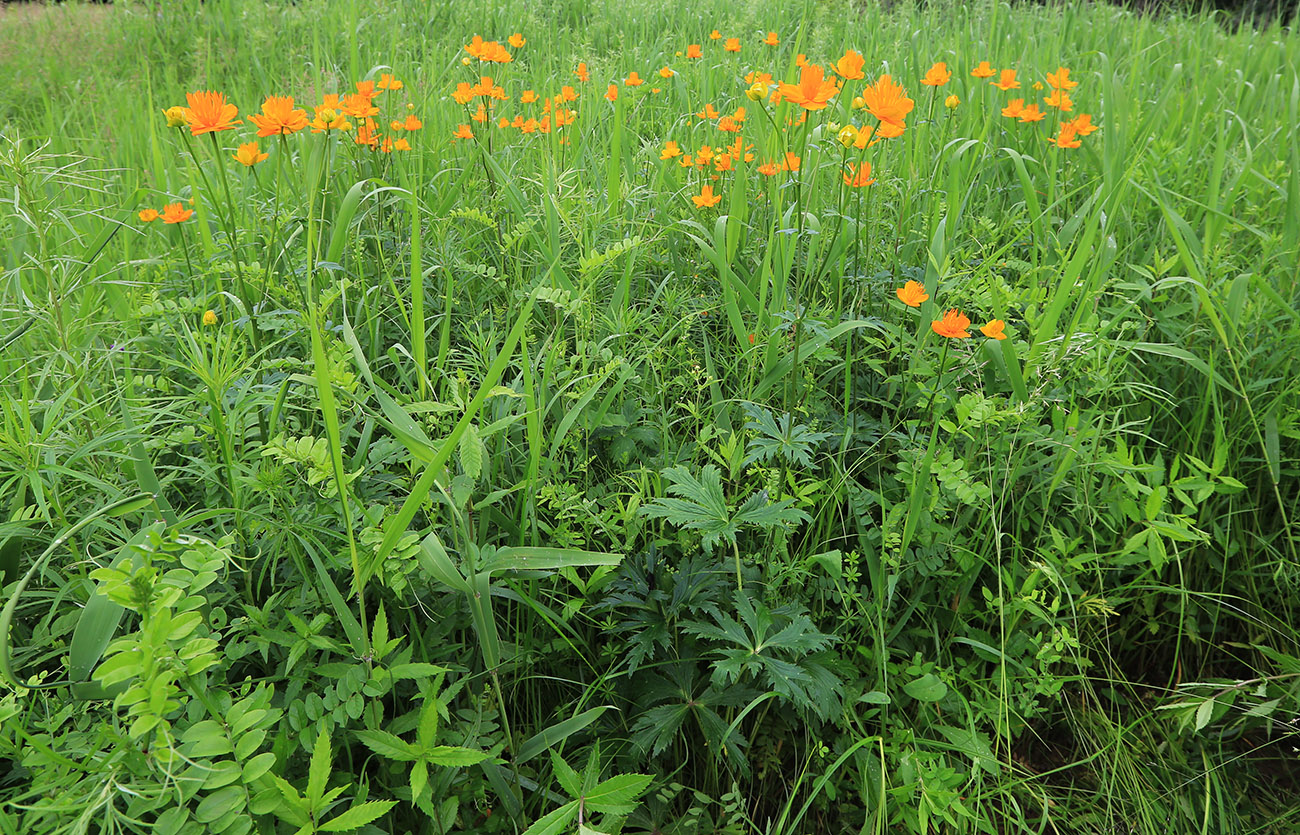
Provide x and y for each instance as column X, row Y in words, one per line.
column 278, row 116
column 149, row 215
column 994, row 329
column 706, row 198
column 715, row 35
column 771, row 39
column 1006, row 81
column 912, row 294
column 813, row 91
column 694, row 51
column 847, row 135
column 1014, row 108
column 463, row 132
column 1082, row 124
column 516, row 40
column 1060, row 100
column 888, row 101
column 249, row 154
column 209, row 112
column 757, row 91
column 983, row 70
column 1067, row 138
column 670, row 150
column 176, row 213
column 1032, row 114
column 581, row 72
column 951, row 102
column 175, row 116
column 732, row 45
column 666, row 72
column 849, row 66
column 612, row 93
column 858, row 176
column 953, row 325
column 937, row 75
column 633, row 80
column 209, row 317
column 388, row 82
column 1061, row 79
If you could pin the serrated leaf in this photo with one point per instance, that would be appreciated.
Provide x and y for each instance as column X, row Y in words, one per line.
column 389, row 746
column 555, row 822
column 617, row 795
column 471, row 452
column 358, row 816
column 449, row 755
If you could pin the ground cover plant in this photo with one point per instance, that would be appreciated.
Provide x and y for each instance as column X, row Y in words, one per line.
column 649, row 418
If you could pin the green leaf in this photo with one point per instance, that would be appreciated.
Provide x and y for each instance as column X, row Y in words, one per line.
column 557, row 733
column 358, row 816
column 219, row 803
column 556, row 821
column 927, row 688
column 389, row 746
column 450, row 755
column 616, row 795
column 318, row 772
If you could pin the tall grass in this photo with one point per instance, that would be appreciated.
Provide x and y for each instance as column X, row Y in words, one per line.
column 505, row 445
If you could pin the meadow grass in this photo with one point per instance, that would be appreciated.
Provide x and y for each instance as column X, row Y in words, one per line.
column 523, row 475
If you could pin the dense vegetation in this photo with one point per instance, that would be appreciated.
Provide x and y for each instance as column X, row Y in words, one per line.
column 499, row 444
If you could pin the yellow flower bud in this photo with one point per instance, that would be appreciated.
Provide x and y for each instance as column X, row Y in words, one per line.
column 327, row 115
column 465, row 61
column 859, row 102
column 951, row 102
column 758, row 92
column 847, row 135
column 175, row 116
column 209, row 317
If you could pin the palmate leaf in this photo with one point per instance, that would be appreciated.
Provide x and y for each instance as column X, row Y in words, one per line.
column 779, row 438
column 703, row 507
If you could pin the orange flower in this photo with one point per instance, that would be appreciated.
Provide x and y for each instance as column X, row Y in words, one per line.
column 149, row 215
column 850, row 65
column 488, row 51
column 328, row 116
column 715, row 35
column 771, row 39
column 359, row 106
column 791, row 162
column 1082, row 124
column 666, row 72
column 581, row 72
column 278, row 117
column 209, row 112
column 728, row 124
column 732, row 45
column 366, row 134
column 1014, row 108
column 889, row 130
column 568, row 93
column 176, row 213
column 706, row 198
column 813, row 91
column 887, row 101
column 912, row 294
column 633, row 80
column 249, row 154
column 722, row 162
column 1032, row 114
column 1068, row 137
column 694, row 51
column 801, row 60
column 768, row 169
column 1061, row 79
column 863, row 136
column 612, row 93
column 1060, row 100
column 709, row 112
column 367, row 89
column 516, row 40
column 670, row 150
column 937, row 76
column 861, row 176
column 401, row 145
column 953, row 325
column 993, row 330
column 463, row 132
column 388, row 82
column 528, row 97
column 1007, row 81
column 983, row 70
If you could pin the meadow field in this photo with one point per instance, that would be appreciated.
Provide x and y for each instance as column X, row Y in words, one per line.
column 652, row 418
